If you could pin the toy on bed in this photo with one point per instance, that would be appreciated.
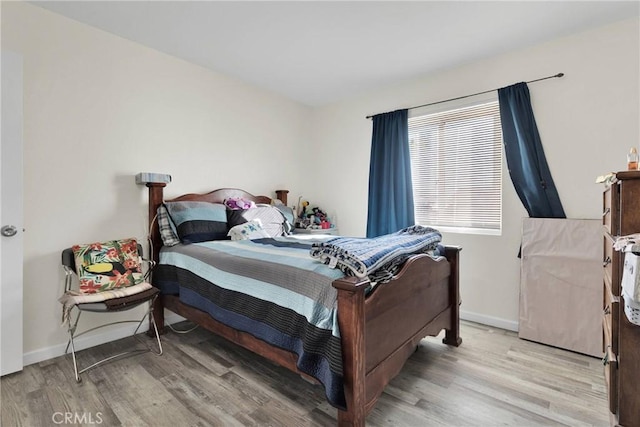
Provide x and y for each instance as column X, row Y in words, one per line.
column 235, row 203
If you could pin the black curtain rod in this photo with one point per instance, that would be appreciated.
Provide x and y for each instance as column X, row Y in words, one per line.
column 479, row 93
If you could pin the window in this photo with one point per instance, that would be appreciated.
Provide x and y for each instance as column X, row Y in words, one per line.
column 456, row 162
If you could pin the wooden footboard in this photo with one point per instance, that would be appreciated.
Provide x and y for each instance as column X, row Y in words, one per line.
column 381, row 331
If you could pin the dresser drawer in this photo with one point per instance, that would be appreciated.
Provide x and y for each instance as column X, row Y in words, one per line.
column 611, row 313
column 612, row 263
column 629, row 203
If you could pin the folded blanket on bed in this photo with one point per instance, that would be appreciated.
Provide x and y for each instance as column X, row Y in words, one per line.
column 362, row 257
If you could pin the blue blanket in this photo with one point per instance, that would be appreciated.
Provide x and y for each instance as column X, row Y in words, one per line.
column 362, row 257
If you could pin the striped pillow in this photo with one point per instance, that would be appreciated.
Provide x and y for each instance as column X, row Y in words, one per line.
column 290, row 217
column 198, row 221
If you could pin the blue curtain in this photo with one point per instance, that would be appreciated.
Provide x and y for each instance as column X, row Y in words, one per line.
column 525, row 157
column 390, row 188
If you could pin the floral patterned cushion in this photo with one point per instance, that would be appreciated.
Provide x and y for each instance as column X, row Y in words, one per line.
column 104, row 266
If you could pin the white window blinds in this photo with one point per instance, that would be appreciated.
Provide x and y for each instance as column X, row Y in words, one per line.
column 456, row 162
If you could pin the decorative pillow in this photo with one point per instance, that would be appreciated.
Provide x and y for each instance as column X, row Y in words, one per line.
column 248, row 231
column 272, row 220
column 168, row 231
column 198, row 221
column 106, row 265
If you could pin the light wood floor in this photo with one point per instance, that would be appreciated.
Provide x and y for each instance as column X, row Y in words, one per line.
column 493, row 379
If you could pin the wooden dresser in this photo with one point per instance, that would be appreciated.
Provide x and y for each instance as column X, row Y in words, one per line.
column 621, row 217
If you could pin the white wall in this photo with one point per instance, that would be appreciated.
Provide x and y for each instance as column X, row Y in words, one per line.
column 97, row 110
column 588, row 120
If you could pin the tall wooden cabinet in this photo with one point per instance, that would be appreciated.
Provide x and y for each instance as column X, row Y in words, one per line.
column 621, row 217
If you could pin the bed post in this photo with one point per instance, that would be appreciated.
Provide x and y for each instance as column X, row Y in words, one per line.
column 282, row 196
column 452, row 334
column 351, row 320
column 156, row 197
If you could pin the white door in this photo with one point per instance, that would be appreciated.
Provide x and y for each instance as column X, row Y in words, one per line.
column 11, row 218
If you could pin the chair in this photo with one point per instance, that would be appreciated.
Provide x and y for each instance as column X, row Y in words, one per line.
column 70, row 300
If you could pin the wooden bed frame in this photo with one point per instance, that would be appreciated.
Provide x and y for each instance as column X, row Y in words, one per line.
column 379, row 331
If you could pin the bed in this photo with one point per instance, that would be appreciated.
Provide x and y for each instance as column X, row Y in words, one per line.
column 379, row 327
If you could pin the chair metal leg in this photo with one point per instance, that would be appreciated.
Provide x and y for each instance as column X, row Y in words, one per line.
column 149, row 315
column 72, row 329
column 73, row 356
column 72, row 335
column 155, row 328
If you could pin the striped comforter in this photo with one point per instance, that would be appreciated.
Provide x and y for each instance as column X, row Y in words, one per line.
column 270, row 288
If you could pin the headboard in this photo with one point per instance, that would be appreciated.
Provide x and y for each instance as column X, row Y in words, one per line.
column 156, row 198
column 220, row 195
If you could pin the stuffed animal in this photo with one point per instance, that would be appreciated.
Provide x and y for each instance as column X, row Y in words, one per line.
column 235, row 203
column 302, row 209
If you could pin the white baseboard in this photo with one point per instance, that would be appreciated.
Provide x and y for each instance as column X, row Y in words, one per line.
column 496, row 322
column 91, row 340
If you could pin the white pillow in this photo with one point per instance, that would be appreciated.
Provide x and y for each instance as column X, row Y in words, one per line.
column 271, row 219
column 248, row 231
